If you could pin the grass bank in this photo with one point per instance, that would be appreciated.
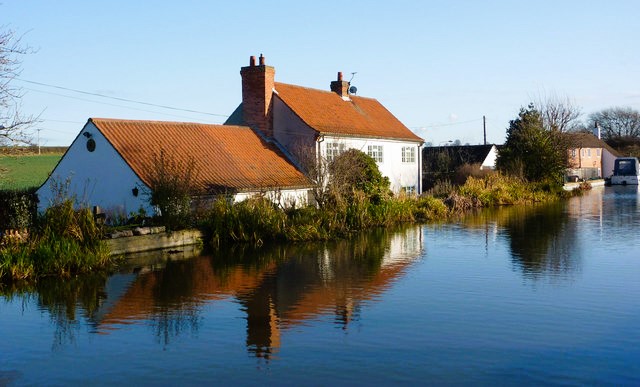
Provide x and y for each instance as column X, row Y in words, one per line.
column 25, row 171
column 63, row 242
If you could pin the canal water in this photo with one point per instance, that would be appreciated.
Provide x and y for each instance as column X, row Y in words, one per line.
column 520, row 296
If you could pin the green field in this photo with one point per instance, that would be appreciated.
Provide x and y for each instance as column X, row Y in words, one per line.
column 18, row 172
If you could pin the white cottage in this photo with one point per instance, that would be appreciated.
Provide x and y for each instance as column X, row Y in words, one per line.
column 110, row 162
column 325, row 123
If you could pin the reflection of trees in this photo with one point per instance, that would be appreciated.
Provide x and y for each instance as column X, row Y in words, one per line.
column 542, row 239
column 66, row 300
column 175, row 308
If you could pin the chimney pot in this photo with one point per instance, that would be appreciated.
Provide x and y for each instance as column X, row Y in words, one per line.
column 596, row 131
column 257, row 90
column 340, row 86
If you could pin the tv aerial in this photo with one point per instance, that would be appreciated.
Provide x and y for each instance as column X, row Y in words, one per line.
column 352, row 89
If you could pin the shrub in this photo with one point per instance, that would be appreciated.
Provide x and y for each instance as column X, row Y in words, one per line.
column 429, row 208
column 17, row 208
column 355, row 171
column 64, row 241
column 173, row 183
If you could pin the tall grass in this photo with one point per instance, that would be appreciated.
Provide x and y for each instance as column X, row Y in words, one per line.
column 63, row 242
column 258, row 220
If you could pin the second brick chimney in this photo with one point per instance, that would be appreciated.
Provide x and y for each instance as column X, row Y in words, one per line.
column 340, row 87
column 257, row 91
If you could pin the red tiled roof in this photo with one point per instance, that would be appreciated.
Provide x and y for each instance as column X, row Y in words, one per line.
column 225, row 157
column 328, row 113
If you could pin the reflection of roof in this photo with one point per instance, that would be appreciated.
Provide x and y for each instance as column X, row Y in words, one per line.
column 588, row 140
column 327, row 113
column 139, row 301
column 333, row 297
column 224, row 157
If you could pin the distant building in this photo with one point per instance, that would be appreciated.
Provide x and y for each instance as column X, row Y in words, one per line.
column 589, row 156
column 442, row 162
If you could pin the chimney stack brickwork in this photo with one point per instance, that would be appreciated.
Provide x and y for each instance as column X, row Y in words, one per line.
column 257, row 92
column 340, row 87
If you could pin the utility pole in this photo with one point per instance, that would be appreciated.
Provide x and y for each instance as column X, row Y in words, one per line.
column 38, row 140
column 484, row 128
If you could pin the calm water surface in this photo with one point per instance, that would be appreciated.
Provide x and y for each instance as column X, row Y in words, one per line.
column 520, row 296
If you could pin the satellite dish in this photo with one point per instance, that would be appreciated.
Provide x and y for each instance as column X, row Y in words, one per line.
column 353, row 90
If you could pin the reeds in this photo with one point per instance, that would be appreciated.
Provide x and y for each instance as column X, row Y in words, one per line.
column 63, row 242
column 258, row 220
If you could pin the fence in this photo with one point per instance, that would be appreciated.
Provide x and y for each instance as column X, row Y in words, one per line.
column 581, row 174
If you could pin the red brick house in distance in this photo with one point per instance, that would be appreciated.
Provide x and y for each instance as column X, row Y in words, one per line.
column 589, row 156
column 323, row 124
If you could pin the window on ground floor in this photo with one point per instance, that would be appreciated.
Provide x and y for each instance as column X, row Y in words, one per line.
column 410, row 189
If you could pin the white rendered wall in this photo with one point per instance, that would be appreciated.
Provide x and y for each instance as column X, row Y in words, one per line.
column 293, row 133
column 98, row 178
column 608, row 162
column 490, row 161
column 285, row 198
column 400, row 174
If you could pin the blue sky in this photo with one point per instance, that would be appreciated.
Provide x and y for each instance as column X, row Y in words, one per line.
column 438, row 66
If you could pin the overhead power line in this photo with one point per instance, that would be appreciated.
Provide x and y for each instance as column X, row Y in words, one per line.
column 447, row 124
column 119, row 98
column 102, row 103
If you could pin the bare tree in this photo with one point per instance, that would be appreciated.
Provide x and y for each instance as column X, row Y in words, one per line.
column 316, row 167
column 559, row 114
column 617, row 123
column 13, row 125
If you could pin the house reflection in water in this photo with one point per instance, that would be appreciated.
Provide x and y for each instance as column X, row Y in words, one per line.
column 278, row 288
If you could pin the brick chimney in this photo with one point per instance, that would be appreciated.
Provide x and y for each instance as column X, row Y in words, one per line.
column 257, row 91
column 340, row 87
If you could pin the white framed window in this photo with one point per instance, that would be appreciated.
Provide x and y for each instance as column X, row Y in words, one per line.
column 411, row 189
column 589, row 152
column 375, row 151
column 334, row 149
column 598, row 152
column 573, row 153
column 408, row 154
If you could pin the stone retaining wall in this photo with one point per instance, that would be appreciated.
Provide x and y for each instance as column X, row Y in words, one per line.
column 146, row 241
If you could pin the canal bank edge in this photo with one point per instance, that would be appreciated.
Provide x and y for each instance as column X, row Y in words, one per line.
column 573, row 185
column 164, row 240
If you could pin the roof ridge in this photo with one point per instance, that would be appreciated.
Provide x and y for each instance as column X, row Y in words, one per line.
column 159, row 122
column 320, row 91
